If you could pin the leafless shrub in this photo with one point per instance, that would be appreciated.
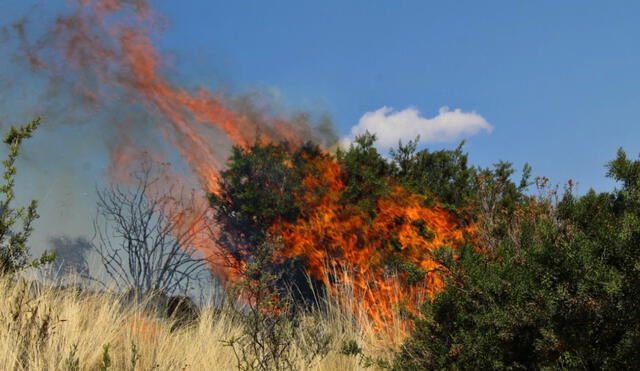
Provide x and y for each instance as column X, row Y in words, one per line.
column 146, row 231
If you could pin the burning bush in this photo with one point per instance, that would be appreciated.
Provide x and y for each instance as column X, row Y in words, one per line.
column 344, row 220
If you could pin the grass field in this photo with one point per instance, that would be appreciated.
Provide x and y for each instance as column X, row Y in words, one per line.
column 47, row 328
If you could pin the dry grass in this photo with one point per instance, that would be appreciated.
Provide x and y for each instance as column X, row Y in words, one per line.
column 46, row 328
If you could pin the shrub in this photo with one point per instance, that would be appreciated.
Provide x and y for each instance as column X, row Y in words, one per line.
column 271, row 330
column 558, row 291
column 14, row 251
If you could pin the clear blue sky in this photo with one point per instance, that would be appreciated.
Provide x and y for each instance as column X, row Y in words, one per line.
column 558, row 80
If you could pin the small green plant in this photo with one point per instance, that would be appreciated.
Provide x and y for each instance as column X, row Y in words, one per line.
column 14, row 251
column 267, row 339
column 72, row 362
column 106, row 358
column 352, row 349
column 271, row 330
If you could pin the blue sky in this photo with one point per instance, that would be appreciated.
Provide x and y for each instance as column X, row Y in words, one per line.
column 558, row 81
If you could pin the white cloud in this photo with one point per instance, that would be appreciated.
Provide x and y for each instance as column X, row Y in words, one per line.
column 391, row 126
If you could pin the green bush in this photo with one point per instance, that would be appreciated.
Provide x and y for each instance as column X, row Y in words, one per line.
column 558, row 291
column 14, row 251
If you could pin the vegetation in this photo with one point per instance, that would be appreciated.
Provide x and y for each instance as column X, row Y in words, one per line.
column 53, row 329
column 558, row 292
column 271, row 330
column 14, row 250
column 514, row 275
column 257, row 189
column 547, row 280
column 275, row 191
column 145, row 232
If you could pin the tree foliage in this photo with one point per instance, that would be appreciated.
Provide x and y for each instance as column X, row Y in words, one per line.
column 445, row 173
column 549, row 280
column 558, row 291
column 256, row 189
column 16, row 224
column 265, row 184
column 366, row 172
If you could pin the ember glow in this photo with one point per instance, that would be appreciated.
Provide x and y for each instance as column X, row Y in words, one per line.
column 106, row 49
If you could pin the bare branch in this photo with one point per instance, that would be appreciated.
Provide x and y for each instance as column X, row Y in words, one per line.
column 145, row 232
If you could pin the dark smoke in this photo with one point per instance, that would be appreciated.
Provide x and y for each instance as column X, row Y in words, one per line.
column 71, row 254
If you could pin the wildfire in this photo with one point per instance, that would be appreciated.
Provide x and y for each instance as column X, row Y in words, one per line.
column 107, row 47
column 385, row 261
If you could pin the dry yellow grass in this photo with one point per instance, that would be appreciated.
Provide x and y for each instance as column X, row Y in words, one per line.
column 40, row 326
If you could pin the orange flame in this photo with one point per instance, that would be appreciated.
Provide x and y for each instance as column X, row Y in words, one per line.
column 107, row 45
column 106, row 49
column 343, row 245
